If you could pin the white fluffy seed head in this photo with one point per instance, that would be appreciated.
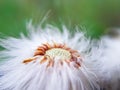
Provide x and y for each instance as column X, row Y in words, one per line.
column 30, row 64
column 109, row 63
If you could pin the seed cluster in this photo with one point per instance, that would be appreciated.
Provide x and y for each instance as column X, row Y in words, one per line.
column 51, row 53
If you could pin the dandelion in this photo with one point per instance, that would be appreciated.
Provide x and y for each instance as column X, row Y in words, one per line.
column 109, row 63
column 47, row 60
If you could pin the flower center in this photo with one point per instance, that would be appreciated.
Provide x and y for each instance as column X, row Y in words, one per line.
column 59, row 53
column 50, row 53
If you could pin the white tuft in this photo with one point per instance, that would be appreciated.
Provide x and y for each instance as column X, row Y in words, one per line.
column 34, row 76
column 109, row 63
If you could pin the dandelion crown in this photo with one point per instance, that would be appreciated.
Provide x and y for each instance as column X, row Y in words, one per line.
column 47, row 59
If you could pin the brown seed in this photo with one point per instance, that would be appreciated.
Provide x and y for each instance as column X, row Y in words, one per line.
column 28, row 60
column 38, row 52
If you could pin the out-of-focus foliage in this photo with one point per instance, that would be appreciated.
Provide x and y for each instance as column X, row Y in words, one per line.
column 95, row 15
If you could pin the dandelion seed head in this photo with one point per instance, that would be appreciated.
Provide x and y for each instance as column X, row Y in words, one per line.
column 109, row 62
column 47, row 56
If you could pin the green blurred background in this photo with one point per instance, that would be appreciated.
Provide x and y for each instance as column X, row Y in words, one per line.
column 95, row 15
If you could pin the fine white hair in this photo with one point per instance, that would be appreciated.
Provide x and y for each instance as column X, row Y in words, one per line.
column 34, row 76
column 109, row 63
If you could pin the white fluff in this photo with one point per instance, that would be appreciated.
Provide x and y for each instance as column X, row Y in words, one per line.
column 34, row 76
column 109, row 63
